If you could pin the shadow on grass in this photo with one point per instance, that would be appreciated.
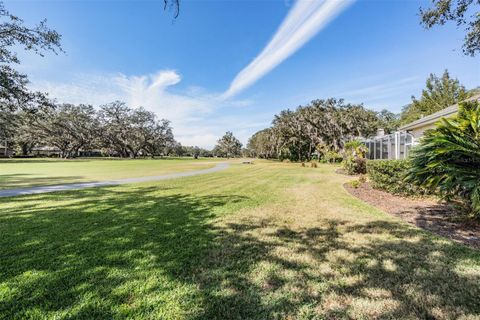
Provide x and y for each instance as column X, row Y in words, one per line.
column 42, row 160
column 78, row 255
column 113, row 254
column 405, row 274
column 22, row 180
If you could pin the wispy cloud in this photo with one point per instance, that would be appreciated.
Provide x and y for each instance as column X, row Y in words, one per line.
column 383, row 89
column 305, row 19
column 380, row 95
column 193, row 113
column 150, row 91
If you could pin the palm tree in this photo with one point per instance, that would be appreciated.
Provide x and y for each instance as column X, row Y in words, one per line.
column 448, row 158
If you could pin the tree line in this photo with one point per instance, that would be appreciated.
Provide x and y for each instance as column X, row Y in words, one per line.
column 321, row 126
column 114, row 129
column 324, row 126
column 228, row 146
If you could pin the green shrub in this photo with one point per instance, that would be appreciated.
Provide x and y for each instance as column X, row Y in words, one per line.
column 447, row 160
column 355, row 183
column 355, row 165
column 332, row 157
column 354, row 161
column 389, row 175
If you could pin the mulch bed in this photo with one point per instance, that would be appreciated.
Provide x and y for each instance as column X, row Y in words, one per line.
column 425, row 213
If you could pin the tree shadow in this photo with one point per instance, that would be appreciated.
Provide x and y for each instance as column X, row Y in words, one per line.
column 42, row 160
column 108, row 253
column 445, row 220
column 85, row 255
column 401, row 272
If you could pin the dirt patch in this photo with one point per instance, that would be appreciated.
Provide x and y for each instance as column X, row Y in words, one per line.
column 428, row 214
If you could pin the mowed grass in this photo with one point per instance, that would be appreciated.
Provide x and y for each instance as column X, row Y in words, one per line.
column 19, row 173
column 263, row 241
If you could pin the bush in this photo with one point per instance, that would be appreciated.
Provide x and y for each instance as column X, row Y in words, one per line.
column 333, row 157
column 313, row 164
column 389, row 175
column 447, row 160
column 354, row 161
column 303, row 164
column 355, row 165
column 355, row 183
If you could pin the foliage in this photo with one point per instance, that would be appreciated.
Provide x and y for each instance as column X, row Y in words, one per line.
column 439, row 94
column 355, row 183
column 173, row 5
column 354, row 164
column 176, row 149
column 389, row 175
column 455, row 10
column 129, row 132
column 354, row 161
column 116, row 129
column 448, row 158
column 228, row 146
column 322, row 126
column 9, row 123
column 14, row 93
column 333, row 157
column 261, row 144
column 388, row 121
column 69, row 128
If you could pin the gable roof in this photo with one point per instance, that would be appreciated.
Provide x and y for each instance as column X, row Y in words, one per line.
column 434, row 117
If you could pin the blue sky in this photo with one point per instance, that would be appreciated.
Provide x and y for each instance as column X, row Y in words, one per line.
column 371, row 52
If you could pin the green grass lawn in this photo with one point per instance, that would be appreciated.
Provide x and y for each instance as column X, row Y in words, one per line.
column 18, row 173
column 262, row 241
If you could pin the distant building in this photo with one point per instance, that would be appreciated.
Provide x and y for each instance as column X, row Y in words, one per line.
column 389, row 147
column 5, row 151
column 418, row 127
column 46, row 151
column 397, row 145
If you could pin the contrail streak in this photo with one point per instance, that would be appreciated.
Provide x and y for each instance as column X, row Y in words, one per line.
column 304, row 20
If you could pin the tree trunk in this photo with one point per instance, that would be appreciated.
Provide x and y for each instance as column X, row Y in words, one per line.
column 25, row 148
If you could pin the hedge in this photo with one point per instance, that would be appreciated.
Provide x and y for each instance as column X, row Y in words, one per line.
column 389, row 175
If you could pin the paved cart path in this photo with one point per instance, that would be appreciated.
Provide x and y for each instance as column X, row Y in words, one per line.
column 77, row 186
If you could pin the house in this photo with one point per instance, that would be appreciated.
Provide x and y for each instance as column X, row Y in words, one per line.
column 46, row 151
column 398, row 145
column 5, row 151
column 388, row 147
column 418, row 127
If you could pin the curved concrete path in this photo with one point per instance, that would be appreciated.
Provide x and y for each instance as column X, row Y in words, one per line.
column 77, row 186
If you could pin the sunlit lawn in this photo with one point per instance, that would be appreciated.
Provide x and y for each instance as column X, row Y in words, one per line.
column 17, row 173
column 262, row 241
